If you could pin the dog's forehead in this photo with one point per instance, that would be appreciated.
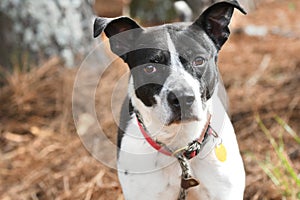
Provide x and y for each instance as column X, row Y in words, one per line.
column 152, row 37
column 190, row 43
column 186, row 40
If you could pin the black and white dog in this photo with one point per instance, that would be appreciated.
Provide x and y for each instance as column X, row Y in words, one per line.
column 174, row 134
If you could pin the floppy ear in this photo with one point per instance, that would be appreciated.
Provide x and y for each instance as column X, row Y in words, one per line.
column 215, row 20
column 123, row 29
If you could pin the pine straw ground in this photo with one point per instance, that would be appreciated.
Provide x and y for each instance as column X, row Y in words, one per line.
column 43, row 158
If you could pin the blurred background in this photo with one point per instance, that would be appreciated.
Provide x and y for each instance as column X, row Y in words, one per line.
column 43, row 43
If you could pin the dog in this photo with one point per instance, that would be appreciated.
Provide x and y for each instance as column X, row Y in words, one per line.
column 175, row 139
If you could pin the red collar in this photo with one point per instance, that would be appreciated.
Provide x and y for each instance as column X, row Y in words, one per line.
column 160, row 148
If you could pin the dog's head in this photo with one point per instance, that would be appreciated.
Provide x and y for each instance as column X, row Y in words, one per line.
column 173, row 66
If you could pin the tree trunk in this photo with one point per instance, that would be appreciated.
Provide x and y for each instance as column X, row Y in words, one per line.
column 32, row 30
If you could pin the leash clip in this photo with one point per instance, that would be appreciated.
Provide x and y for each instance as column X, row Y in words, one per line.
column 192, row 149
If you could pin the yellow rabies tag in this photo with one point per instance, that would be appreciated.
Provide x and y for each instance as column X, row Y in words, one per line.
column 221, row 152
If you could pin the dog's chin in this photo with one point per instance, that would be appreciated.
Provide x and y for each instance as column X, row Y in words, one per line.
column 177, row 120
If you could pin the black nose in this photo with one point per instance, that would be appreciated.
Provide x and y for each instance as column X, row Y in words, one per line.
column 178, row 100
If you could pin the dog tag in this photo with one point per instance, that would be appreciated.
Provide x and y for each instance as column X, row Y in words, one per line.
column 221, row 152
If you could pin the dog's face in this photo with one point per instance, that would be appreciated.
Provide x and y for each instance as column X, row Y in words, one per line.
column 173, row 67
column 174, row 73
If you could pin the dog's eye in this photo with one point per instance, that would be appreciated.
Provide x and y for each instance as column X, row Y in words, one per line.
column 198, row 62
column 149, row 69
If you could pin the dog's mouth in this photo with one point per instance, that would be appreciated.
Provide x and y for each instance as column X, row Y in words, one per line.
column 180, row 119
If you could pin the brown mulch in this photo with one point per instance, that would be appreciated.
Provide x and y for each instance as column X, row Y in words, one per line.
column 42, row 157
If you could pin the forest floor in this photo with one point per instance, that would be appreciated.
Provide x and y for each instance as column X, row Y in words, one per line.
column 42, row 156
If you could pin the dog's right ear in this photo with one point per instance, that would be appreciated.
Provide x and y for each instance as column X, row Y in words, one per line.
column 215, row 20
column 124, row 26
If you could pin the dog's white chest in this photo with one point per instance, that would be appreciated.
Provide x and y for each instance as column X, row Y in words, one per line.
column 147, row 174
column 143, row 172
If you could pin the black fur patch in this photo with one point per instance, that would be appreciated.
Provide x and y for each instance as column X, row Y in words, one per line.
column 147, row 85
column 189, row 45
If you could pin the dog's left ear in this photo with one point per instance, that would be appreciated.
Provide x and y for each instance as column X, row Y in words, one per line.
column 215, row 20
column 124, row 26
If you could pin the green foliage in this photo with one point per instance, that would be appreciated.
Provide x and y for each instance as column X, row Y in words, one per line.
column 292, row 6
column 280, row 169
